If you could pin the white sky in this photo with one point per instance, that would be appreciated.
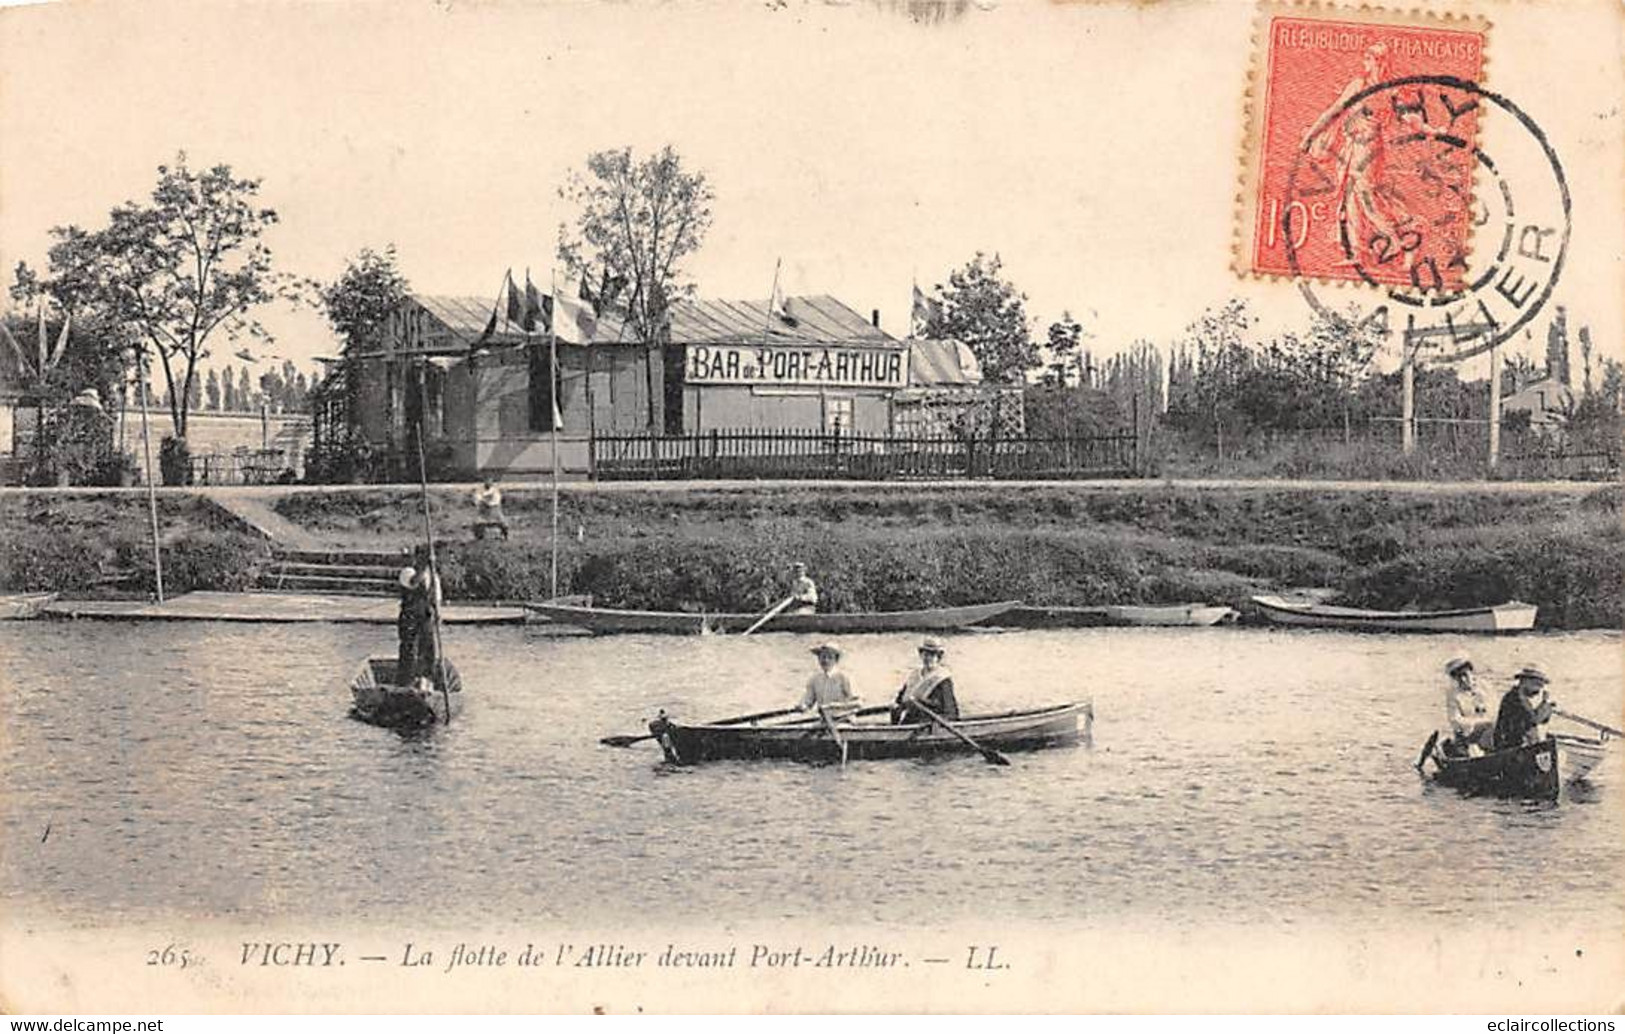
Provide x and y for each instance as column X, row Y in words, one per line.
column 1094, row 146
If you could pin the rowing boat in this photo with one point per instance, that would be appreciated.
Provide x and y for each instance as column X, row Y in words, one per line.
column 1505, row 617
column 605, row 621
column 379, row 700
column 1538, row 771
column 809, row 739
column 25, row 605
column 1186, row 615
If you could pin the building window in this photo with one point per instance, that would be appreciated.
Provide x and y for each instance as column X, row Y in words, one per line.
column 837, row 414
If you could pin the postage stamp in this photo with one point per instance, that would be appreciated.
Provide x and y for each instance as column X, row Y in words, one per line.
column 1346, row 182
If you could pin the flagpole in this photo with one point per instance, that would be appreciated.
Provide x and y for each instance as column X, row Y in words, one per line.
column 553, row 417
column 152, row 491
column 767, row 321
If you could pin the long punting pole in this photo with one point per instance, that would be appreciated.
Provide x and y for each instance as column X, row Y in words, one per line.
column 553, row 419
column 434, row 578
column 152, row 490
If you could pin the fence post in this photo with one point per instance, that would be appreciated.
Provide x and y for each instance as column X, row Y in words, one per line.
column 1134, row 411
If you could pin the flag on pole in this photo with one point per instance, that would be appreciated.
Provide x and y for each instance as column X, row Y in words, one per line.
column 516, row 308
column 496, row 310
column 573, row 321
column 61, row 340
column 22, row 357
column 533, row 306
column 778, row 306
column 921, row 314
column 44, row 343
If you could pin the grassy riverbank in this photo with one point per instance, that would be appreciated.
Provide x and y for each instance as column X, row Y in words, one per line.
column 891, row 546
column 101, row 545
column 888, row 547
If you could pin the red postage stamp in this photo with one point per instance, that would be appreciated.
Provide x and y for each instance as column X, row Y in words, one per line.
column 1360, row 153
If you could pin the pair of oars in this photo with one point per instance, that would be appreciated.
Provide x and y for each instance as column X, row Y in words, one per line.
column 992, row 756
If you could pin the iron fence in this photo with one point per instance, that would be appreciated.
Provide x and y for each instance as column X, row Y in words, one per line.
column 790, row 454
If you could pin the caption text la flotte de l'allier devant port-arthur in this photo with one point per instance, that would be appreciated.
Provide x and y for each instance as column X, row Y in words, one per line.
column 620, row 956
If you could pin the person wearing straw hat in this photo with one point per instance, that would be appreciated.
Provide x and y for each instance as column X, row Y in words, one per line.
column 1472, row 730
column 931, row 685
column 1525, row 710
column 420, row 605
column 830, row 688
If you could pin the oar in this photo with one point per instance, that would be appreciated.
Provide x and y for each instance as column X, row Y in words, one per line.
column 433, row 583
column 627, row 741
column 1427, row 748
column 993, row 757
column 834, row 733
column 1610, row 730
column 770, row 615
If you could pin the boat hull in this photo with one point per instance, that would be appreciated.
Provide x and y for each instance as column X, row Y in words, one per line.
column 809, row 740
column 23, row 606
column 1535, row 772
column 603, row 621
column 378, row 700
column 1506, row 617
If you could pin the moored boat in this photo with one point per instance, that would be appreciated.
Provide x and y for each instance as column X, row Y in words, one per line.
column 1166, row 615
column 21, row 606
column 809, row 739
column 1512, row 616
column 380, row 700
column 604, row 621
column 1538, row 771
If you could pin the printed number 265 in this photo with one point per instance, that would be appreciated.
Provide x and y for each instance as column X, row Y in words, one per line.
column 169, row 955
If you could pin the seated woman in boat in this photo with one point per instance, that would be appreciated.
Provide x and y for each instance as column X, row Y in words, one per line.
column 1525, row 710
column 829, row 689
column 803, row 592
column 1472, row 729
column 931, row 685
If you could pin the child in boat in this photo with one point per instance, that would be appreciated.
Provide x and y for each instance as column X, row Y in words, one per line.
column 830, row 688
column 931, row 684
column 1471, row 726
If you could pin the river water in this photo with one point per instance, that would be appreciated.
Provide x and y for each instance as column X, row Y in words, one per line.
column 1258, row 776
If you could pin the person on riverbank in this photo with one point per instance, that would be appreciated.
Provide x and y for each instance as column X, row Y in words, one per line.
column 931, row 685
column 488, row 510
column 830, row 688
column 1525, row 710
column 1471, row 728
column 416, row 626
column 803, row 591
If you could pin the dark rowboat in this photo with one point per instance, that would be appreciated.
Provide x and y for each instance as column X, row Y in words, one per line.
column 809, row 740
column 604, row 621
column 1537, row 772
column 380, row 701
column 1503, row 617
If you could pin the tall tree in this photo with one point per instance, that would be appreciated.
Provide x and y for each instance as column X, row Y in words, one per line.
column 1062, row 352
column 176, row 269
column 211, row 388
column 228, row 392
column 985, row 311
column 638, row 220
column 248, row 396
column 362, row 297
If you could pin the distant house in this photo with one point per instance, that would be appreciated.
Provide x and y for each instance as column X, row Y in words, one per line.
column 486, row 403
column 1548, row 402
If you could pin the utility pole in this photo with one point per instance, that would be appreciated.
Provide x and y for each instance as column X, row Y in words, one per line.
column 1407, row 416
column 1495, row 405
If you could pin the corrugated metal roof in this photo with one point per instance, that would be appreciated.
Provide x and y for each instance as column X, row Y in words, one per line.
column 817, row 318
column 942, row 363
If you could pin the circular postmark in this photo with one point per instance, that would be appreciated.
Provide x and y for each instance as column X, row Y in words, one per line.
column 1392, row 190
